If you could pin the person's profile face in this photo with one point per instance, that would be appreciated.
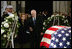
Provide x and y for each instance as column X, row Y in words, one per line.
column 10, row 9
column 33, row 15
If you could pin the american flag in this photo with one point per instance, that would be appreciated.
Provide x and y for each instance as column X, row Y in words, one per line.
column 57, row 37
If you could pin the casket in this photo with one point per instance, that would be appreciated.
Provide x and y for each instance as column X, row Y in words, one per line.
column 56, row 37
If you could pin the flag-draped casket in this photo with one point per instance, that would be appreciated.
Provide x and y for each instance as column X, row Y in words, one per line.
column 56, row 37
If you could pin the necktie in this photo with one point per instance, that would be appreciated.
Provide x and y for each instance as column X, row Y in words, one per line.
column 34, row 21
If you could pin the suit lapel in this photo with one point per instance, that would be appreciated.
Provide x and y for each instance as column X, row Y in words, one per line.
column 35, row 21
column 32, row 21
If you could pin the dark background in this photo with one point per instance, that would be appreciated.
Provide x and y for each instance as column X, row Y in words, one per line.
column 39, row 6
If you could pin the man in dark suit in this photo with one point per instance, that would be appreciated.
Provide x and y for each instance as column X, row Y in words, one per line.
column 44, row 15
column 35, row 27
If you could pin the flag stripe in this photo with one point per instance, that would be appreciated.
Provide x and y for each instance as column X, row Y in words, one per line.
column 44, row 44
column 53, row 29
column 57, row 27
column 49, row 32
column 46, row 40
column 62, row 26
column 47, row 36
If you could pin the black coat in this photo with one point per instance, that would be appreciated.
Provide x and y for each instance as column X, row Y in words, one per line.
column 3, row 16
column 69, row 19
column 22, row 36
column 44, row 17
column 37, row 28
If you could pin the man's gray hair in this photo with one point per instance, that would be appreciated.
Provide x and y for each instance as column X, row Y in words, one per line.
column 33, row 11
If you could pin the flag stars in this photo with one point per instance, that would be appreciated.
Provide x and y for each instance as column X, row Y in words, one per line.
column 62, row 31
column 59, row 35
column 64, row 39
column 57, row 40
column 65, row 47
column 60, row 44
column 69, row 31
column 68, row 43
column 65, row 29
column 53, row 38
column 70, row 37
column 55, row 46
column 52, row 44
column 67, row 34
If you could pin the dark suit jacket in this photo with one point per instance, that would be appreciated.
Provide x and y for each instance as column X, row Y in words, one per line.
column 37, row 28
column 44, row 17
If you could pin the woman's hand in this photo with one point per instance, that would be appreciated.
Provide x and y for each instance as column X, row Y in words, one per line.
column 31, row 29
